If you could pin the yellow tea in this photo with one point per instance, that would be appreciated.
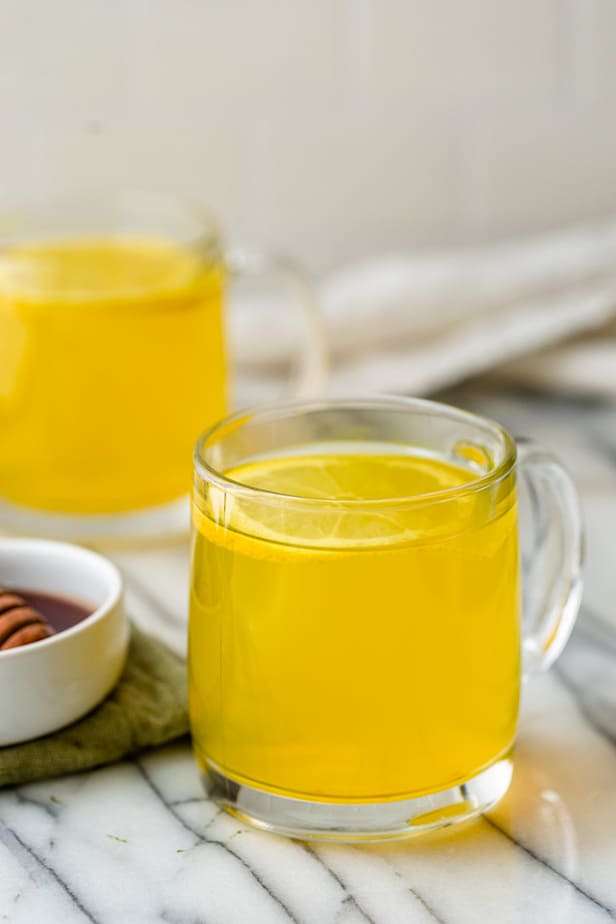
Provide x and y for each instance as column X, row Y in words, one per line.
column 111, row 363
column 360, row 647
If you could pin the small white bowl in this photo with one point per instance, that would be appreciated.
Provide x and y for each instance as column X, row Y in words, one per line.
column 49, row 684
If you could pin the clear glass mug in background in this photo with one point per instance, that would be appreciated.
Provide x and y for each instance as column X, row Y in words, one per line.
column 356, row 648
column 112, row 359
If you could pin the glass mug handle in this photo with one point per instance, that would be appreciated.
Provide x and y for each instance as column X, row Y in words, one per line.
column 312, row 362
column 552, row 546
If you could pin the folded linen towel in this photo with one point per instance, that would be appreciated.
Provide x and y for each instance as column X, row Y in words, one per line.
column 417, row 323
column 146, row 708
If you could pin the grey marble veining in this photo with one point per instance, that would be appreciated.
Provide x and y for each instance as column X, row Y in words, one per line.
column 139, row 843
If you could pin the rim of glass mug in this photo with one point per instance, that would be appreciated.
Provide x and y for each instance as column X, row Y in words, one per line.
column 194, row 225
column 280, row 410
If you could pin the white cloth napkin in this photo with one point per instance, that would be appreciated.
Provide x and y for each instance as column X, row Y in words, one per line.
column 416, row 323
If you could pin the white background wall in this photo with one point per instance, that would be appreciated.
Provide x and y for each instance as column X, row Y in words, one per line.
column 331, row 128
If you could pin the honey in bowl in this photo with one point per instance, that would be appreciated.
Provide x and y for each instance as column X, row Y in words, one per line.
column 28, row 616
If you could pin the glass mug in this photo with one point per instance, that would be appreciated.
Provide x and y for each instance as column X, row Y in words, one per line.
column 356, row 644
column 112, row 357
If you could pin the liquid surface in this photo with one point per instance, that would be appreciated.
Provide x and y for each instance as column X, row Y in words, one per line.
column 340, row 476
column 352, row 652
column 111, row 364
column 59, row 611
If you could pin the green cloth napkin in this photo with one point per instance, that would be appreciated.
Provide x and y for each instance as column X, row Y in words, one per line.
column 146, row 708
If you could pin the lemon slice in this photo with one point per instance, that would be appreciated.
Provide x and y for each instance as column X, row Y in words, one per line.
column 351, row 476
column 284, row 517
column 93, row 268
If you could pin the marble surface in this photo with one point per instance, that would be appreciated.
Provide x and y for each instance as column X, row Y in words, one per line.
column 138, row 842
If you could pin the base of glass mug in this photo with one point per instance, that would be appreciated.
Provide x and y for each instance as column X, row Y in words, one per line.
column 165, row 521
column 358, row 821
